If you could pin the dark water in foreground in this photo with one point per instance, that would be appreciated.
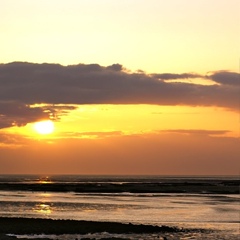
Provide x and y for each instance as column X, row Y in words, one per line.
column 209, row 203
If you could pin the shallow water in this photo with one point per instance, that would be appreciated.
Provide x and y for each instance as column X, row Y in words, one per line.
column 217, row 214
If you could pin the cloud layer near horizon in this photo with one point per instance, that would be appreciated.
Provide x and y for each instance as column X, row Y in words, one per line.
column 24, row 84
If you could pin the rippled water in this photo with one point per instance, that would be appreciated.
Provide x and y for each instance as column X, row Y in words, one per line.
column 217, row 214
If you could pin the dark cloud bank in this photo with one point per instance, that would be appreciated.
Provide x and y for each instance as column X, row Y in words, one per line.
column 23, row 84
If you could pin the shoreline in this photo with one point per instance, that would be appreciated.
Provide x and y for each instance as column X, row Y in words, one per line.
column 24, row 226
column 13, row 227
column 50, row 226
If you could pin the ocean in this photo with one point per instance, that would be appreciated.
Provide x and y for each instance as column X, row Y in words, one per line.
column 208, row 206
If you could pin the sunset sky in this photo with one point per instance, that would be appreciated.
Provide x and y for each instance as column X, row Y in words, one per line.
column 131, row 86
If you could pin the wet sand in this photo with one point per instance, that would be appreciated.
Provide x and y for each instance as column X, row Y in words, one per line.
column 49, row 226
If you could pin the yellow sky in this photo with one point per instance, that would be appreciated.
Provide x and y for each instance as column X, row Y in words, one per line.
column 154, row 36
column 136, row 119
column 112, row 119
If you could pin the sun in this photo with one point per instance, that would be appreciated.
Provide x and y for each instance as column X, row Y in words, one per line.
column 44, row 127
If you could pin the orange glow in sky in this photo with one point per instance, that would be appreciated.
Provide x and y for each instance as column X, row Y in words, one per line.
column 131, row 87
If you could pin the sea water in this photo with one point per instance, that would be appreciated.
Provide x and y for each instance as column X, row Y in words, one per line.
column 218, row 214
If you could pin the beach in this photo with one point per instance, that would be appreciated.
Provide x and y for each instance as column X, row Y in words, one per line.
column 48, row 226
column 29, row 228
column 104, row 207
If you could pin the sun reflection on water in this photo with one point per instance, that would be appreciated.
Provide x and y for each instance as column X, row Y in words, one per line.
column 44, row 180
column 45, row 195
column 43, row 208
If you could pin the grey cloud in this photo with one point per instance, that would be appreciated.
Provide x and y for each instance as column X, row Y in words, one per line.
column 19, row 114
column 224, row 77
column 115, row 67
column 173, row 76
column 24, row 84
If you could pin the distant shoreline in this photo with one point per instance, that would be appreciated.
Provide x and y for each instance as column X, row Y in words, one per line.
column 173, row 186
